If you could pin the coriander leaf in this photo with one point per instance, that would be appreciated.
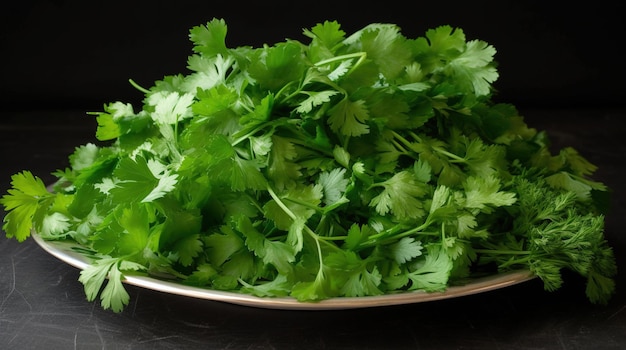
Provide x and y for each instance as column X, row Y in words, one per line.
column 484, row 193
column 137, row 181
column 94, row 275
column 391, row 110
column 283, row 170
column 275, row 288
column 314, row 99
column 295, row 235
column 342, row 156
column 246, row 174
column 54, row 226
column 441, row 196
column 135, row 222
column 170, row 107
column 357, row 234
column 311, row 290
column 114, row 296
column 222, row 245
column 188, row 248
column 483, row 160
column 273, row 67
column 465, row 225
column 445, row 39
column 201, row 276
column 178, row 224
column 431, row 274
column 334, row 185
column 387, row 153
column 386, row 47
column 117, row 119
column 354, row 275
column 363, row 284
column 400, row 196
column 21, row 203
column 210, row 39
column 405, row 249
column 297, row 203
column 260, row 145
column 241, row 265
column 24, row 183
column 260, row 114
column 349, row 117
column 570, row 182
column 327, row 34
column 474, row 64
column 84, row 156
column 209, row 73
column 166, row 183
column 214, row 100
column 107, row 128
column 275, row 253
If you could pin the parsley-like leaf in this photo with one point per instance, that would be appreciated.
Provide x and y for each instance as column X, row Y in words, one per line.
column 355, row 164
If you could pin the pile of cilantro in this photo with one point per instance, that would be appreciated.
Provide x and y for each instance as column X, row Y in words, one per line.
column 352, row 166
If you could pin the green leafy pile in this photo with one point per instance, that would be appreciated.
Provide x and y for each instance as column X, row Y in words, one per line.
column 349, row 166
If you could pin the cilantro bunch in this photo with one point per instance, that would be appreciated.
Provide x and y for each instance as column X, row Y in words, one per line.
column 352, row 165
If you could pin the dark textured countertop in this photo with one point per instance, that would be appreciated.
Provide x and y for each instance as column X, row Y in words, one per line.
column 43, row 306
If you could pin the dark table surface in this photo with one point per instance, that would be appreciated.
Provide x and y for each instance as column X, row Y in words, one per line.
column 43, row 306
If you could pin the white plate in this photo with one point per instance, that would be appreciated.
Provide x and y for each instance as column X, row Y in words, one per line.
column 63, row 251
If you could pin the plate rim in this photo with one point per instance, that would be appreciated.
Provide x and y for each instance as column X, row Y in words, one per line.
column 62, row 251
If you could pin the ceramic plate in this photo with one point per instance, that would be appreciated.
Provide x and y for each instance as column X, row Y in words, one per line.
column 64, row 252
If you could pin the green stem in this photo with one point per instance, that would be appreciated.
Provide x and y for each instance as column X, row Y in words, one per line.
column 360, row 55
column 309, row 145
column 415, row 136
column 247, row 134
column 238, row 137
column 502, row 252
column 450, row 155
column 402, row 139
column 391, row 235
column 136, row 86
column 401, row 148
column 281, row 204
column 283, row 89
column 454, row 157
column 333, row 238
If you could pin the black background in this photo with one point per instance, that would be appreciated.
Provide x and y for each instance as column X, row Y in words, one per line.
column 82, row 53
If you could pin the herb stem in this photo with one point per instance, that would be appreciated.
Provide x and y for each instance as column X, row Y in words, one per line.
column 401, row 148
column 136, row 86
column 361, row 55
column 390, row 235
column 402, row 139
column 309, row 145
column 449, row 154
column 502, row 251
column 281, row 204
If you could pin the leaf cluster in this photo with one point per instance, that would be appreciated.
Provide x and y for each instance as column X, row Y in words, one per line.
column 349, row 165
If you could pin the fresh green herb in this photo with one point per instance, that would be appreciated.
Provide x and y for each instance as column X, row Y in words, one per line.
column 349, row 166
